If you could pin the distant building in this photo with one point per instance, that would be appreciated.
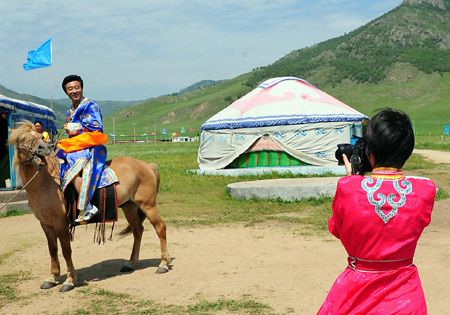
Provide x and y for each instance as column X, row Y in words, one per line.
column 184, row 139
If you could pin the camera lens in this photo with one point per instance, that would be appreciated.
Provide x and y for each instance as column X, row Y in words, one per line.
column 343, row 148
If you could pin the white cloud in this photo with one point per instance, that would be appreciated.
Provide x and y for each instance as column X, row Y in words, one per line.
column 139, row 49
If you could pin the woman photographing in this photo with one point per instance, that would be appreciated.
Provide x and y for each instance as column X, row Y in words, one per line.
column 379, row 220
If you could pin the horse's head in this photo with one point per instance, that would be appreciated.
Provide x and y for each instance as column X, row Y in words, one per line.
column 29, row 145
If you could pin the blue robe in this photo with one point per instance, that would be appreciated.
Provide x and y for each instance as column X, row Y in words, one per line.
column 91, row 160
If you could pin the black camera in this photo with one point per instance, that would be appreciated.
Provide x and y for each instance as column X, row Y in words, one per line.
column 357, row 156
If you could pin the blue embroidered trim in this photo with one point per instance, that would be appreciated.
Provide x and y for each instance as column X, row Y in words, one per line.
column 71, row 112
column 402, row 191
column 85, row 192
column 267, row 121
column 111, row 173
column 73, row 172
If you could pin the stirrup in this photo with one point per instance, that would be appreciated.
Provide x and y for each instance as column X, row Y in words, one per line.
column 80, row 219
column 87, row 215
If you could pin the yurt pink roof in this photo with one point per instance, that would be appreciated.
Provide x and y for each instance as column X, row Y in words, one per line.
column 282, row 101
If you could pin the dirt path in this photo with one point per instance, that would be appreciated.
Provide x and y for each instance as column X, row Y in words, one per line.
column 272, row 264
column 435, row 156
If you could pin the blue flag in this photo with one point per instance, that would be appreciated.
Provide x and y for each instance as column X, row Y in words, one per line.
column 446, row 130
column 41, row 57
column 164, row 131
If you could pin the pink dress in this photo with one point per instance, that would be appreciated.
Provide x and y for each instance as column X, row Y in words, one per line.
column 379, row 220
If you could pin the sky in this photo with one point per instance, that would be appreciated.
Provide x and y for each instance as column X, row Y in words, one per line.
column 139, row 49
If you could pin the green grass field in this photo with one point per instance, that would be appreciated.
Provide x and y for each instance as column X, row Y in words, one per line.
column 189, row 199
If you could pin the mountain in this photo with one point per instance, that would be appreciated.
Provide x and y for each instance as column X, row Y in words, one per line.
column 199, row 85
column 391, row 61
column 434, row 3
column 107, row 107
column 60, row 106
column 417, row 32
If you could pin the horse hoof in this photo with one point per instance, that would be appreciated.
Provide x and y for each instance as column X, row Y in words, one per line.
column 66, row 288
column 161, row 270
column 48, row 285
column 126, row 269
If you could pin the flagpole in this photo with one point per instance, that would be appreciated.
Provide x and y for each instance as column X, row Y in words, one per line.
column 51, row 87
column 114, row 133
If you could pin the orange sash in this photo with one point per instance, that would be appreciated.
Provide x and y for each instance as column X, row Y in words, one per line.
column 82, row 141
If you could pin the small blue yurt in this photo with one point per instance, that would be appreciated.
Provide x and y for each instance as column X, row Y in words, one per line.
column 12, row 111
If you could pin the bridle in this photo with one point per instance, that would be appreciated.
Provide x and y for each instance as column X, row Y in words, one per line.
column 27, row 147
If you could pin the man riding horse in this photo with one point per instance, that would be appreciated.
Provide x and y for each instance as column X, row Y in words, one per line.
column 82, row 155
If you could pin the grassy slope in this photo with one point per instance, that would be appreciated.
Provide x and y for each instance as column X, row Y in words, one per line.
column 189, row 110
column 423, row 96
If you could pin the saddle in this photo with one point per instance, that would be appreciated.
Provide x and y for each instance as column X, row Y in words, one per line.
column 105, row 199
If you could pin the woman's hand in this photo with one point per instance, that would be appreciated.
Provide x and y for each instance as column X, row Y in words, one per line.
column 348, row 165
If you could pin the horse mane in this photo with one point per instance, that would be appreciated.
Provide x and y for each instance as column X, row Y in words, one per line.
column 24, row 129
column 53, row 165
column 21, row 134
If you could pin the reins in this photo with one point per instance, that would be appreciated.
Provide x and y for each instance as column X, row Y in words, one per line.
column 59, row 137
column 32, row 155
column 25, row 186
column 29, row 149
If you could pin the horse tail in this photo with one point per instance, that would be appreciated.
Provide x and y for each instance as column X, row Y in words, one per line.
column 128, row 230
column 154, row 168
column 125, row 231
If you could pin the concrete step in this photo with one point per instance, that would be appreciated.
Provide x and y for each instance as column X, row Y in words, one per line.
column 288, row 189
column 15, row 205
column 300, row 170
column 6, row 195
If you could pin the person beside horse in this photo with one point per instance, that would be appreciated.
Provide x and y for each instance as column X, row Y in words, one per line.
column 83, row 153
column 39, row 129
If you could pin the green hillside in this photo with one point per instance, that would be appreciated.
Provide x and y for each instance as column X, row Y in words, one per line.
column 417, row 34
column 189, row 110
column 108, row 107
column 401, row 59
column 199, row 85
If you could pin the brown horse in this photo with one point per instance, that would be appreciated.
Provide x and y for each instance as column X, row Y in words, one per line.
column 136, row 193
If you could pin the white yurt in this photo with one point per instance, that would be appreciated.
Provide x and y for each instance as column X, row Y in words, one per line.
column 285, row 121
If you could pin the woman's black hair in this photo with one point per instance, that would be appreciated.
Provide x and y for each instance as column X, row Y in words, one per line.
column 38, row 121
column 390, row 138
column 70, row 78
